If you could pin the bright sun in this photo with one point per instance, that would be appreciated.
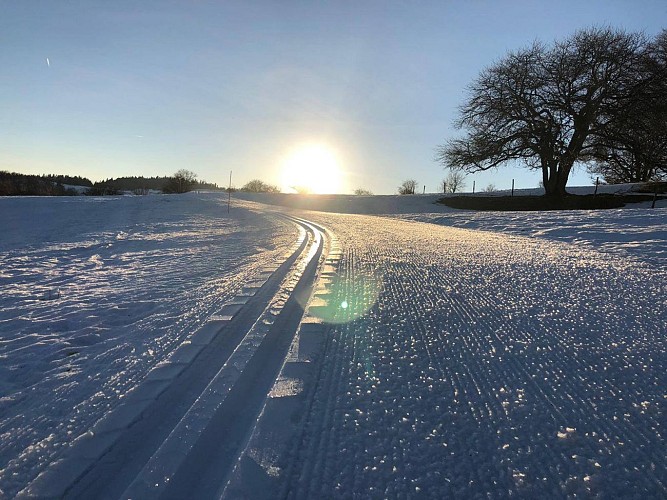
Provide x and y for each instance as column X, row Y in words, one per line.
column 312, row 169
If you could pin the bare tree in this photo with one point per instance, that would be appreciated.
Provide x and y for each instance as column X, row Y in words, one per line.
column 407, row 187
column 455, row 181
column 546, row 106
column 491, row 188
column 181, row 182
column 258, row 186
column 362, row 192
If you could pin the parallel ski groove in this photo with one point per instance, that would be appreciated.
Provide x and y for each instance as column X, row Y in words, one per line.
column 205, row 468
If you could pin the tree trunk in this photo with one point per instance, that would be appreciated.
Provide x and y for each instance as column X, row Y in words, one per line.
column 554, row 184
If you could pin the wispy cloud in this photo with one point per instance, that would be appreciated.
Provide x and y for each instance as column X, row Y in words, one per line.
column 48, row 63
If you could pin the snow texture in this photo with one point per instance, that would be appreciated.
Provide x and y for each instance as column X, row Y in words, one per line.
column 489, row 365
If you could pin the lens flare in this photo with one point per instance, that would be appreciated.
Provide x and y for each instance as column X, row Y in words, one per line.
column 348, row 298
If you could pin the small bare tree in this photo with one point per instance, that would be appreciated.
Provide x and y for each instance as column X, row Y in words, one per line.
column 407, row 187
column 491, row 188
column 362, row 192
column 455, row 181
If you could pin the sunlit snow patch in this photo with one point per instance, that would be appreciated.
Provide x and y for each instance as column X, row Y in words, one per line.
column 566, row 433
column 286, row 387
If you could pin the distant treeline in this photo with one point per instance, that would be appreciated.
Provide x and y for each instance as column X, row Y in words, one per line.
column 15, row 184
column 139, row 185
column 142, row 185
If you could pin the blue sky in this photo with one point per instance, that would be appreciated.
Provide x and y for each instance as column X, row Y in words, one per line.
column 108, row 89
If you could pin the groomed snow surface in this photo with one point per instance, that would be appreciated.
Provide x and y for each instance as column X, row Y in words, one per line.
column 444, row 353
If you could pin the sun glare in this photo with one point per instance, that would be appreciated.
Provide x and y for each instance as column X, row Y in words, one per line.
column 312, row 169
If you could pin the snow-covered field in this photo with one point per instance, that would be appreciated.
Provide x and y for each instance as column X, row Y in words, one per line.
column 445, row 353
column 96, row 291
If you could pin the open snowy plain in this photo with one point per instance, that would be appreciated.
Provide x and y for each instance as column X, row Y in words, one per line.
column 158, row 347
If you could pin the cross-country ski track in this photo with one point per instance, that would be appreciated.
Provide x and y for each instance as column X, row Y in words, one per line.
column 216, row 380
column 429, row 362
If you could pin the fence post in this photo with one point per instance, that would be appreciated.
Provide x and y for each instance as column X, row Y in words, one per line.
column 473, row 187
column 229, row 191
column 597, row 183
column 512, row 187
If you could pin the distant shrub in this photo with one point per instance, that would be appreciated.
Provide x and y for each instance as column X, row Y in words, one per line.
column 362, row 192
